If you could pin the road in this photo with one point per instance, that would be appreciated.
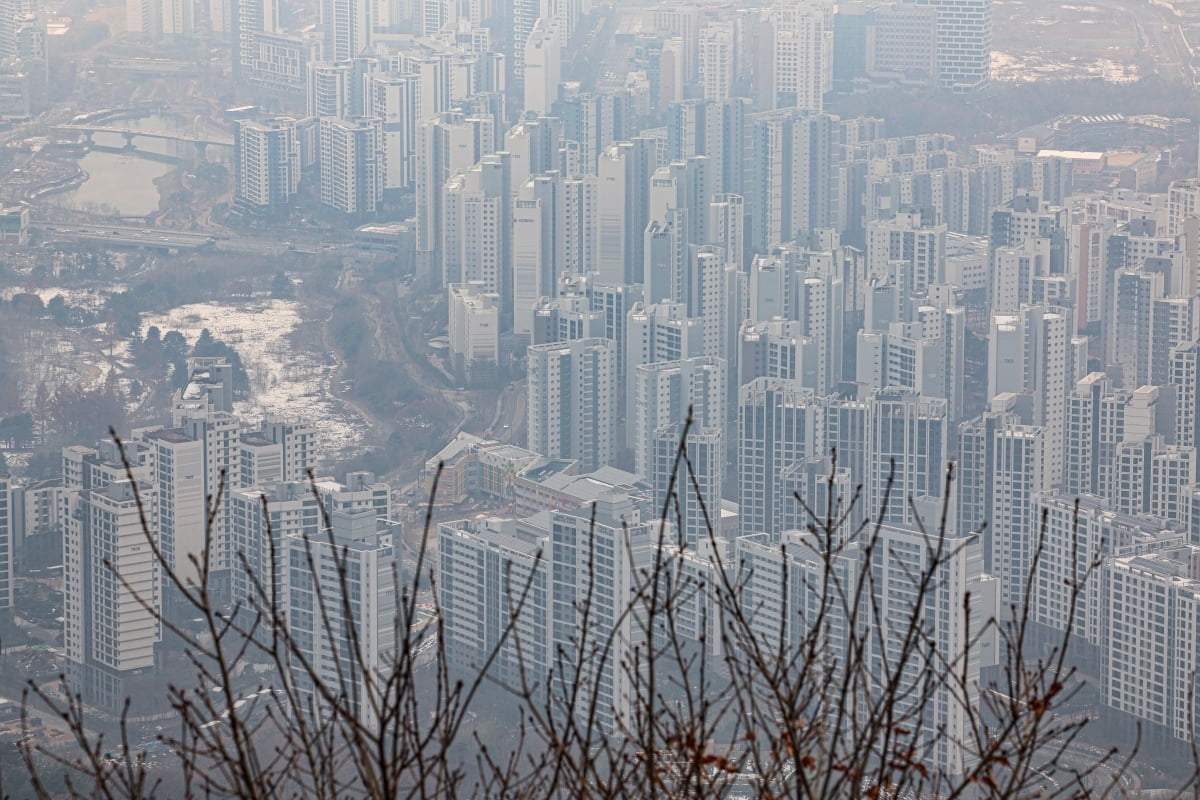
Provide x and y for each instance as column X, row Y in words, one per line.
column 166, row 239
column 507, row 423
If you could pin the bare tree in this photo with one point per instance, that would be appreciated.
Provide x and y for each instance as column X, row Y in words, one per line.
column 845, row 680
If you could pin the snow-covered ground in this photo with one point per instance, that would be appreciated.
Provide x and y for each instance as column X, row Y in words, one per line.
column 1034, row 66
column 283, row 381
column 92, row 299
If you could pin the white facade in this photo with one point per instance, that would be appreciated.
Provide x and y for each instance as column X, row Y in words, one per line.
column 474, row 328
column 8, row 535
column 108, row 633
column 667, row 392
column 349, row 27
column 1151, row 637
column 906, row 248
column 543, row 66
column 964, row 43
column 777, row 428
column 391, row 99
column 716, row 54
column 800, row 51
column 341, row 600
column 907, row 448
column 493, row 565
column 267, row 164
column 572, row 401
column 887, row 605
column 351, row 152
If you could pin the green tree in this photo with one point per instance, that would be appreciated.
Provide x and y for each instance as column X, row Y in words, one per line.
column 281, row 286
column 57, row 309
column 29, row 304
column 17, row 430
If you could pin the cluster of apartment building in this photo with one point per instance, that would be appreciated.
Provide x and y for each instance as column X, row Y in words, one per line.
column 1051, row 360
column 362, row 86
column 208, row 501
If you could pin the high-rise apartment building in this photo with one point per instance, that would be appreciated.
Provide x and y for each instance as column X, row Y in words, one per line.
column 474, row 331
column 669, row 393
column 777, row 428
column 391, row 99
column 1002, row 464
column 597, row 563
column 887, row 605
column 351, row 174
column 567, row 317
column 589, row 118
column 908, row 248
column 349, row 28
column 8, row 540
column 789, row 181
column 543, row 66
column 109, row 572
column 964, row 43
column 447, row 144
column 717, row 56
column 484, row 566
column 329, row 89
column 341, row 599
column 266, row 165
column 654, row 333
column 1076, row 532
column 624, row 171
column 907, row 444
column 794, row 54
column 1151, row 609
column 1032, row 351
column 688, row 476
column 572, row 400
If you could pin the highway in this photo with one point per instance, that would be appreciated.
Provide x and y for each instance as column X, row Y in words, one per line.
column 163, row 239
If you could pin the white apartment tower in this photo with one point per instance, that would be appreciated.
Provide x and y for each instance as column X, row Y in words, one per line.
column 717, row 57
column 598, row 563
column 543, row 66
column 777, row 428
column 572, row 401
column 666, row 392
column 108, row 634
column 797, row 58
column 1032, row 351
column 474, row 331
column 447, row 144
column 391, row 99
column 1151, row 614
column 329, row 89
column 790, row 176
column 349, row 27
column 691, row 488
column 8, row 542
column 340, row 593
column 266, row 164
column 907, row 441
column 909, row 249
column 484, row 566
column 351, row 155
column 964, row 43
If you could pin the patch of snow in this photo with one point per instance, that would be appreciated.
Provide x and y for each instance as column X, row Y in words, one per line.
column 283, row 381
column 91, row 299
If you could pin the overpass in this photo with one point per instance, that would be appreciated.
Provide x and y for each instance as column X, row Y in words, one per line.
column 72, row 132
column 126, row 236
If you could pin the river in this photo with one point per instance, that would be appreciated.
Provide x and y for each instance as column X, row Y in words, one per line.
column 118, row 180
column 125, row 181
